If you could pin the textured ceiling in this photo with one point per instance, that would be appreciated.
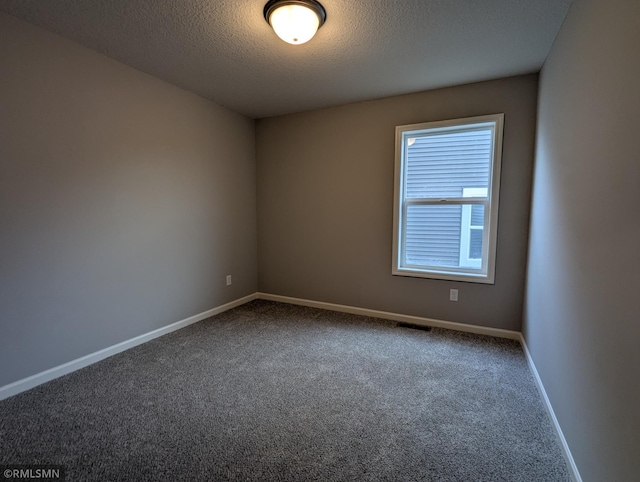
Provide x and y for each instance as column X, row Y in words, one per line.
column 225, row 51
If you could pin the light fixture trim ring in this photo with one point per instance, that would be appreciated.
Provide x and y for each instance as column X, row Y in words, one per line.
column 313, row 5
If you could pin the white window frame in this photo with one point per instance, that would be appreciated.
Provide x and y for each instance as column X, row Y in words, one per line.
column 483, row 272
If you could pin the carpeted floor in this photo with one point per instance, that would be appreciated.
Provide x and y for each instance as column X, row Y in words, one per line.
column 271, row 391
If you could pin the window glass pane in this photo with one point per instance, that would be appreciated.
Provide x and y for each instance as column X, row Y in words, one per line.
column 475, row 243
column 442, row 164
column 433, row 235
column 477, row 215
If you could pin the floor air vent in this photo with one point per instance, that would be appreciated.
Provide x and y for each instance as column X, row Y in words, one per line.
column 413, row 327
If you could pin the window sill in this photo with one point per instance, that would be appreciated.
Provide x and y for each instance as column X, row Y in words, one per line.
column 445, row 275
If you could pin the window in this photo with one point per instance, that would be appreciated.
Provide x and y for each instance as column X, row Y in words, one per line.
column 447, row 184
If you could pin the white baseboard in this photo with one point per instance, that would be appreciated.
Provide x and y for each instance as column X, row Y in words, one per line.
column 573, row 468
column 55, row 372
column 416, row 320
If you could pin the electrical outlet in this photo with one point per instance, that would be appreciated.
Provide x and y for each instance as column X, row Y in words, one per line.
column 228, row 280
column 453, row 295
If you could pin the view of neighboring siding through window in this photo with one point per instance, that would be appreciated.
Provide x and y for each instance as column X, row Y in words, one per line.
column 447, row 176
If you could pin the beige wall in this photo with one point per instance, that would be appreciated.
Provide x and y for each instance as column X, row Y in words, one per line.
column 582, row 321
column 325, row 202
column 124, row 202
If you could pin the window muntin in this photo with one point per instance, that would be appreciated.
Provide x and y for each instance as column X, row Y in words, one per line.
column 446, row 198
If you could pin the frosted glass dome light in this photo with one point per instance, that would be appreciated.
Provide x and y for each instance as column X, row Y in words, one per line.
column 295, row 21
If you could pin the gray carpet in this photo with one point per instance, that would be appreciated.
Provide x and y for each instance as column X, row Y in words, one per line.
column 271, row 391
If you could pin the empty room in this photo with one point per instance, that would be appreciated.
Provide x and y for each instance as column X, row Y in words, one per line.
column 332, row 240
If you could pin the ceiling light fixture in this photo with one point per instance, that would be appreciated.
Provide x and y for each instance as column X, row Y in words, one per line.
column 295, row 21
